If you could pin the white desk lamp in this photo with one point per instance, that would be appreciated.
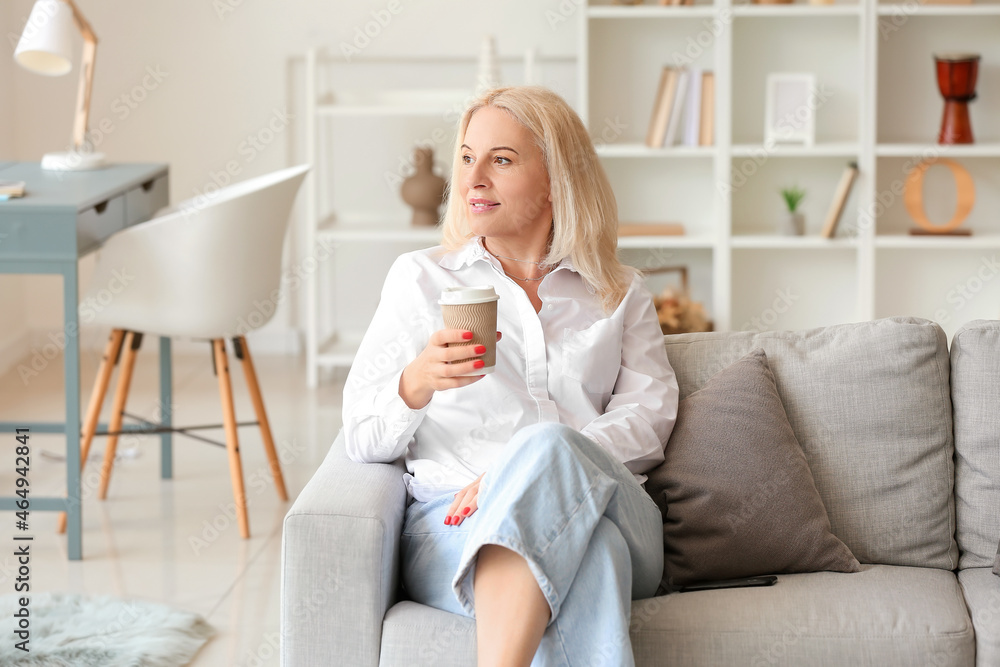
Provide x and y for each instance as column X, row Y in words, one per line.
column 45, row 48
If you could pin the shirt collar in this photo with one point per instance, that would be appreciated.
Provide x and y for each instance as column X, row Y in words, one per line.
column 474, row 251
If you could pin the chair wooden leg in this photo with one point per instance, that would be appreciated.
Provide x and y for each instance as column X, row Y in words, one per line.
column 243, row 353
column 96, row 401
column 132, row 342
column 232, row 442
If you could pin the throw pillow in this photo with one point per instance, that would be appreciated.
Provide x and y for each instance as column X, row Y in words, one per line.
column 736, row 493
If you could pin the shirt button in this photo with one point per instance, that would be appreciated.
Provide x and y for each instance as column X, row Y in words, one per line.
column 551, row 307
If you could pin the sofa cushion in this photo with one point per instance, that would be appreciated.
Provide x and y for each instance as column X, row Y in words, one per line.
column 416, row 635
column 975, row 395
column 735, row 490
column 870, row 405
column 884, row 615
column 982, row 595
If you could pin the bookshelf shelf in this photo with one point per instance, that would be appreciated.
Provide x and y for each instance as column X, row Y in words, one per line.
column 833, row 149
column 650, row 12
column 772, row 242
column 695, row 242
column 631, row 150
column 979, row 9
column 796, row 10
column 907, row 242
column 878, row 72
column 991, row 149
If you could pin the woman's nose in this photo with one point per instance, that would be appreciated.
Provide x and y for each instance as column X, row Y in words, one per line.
column 475, row 176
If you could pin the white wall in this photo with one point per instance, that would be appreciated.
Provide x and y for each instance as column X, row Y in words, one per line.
column 13, row 316
column 187, row 81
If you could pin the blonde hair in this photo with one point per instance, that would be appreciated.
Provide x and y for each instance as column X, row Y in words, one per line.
column 584, row 211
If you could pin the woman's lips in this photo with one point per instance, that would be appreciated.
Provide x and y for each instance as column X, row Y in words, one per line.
column 482, row 205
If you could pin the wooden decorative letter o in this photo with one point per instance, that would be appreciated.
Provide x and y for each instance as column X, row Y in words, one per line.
column 913, row 195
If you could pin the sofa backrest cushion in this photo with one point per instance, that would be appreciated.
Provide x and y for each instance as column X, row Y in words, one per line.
column 870, row 405
column 975, row 395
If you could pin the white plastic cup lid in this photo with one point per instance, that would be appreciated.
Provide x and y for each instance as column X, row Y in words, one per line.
column 453, row 296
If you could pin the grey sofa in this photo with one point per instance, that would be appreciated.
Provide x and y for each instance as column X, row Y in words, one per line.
column 903, row 440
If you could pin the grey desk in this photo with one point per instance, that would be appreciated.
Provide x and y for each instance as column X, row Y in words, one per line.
column 63, row 216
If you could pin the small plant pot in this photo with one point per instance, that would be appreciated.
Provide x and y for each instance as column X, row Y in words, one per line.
column 792, row 224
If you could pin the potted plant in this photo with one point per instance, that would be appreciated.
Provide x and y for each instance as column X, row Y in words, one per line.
column 793, row 223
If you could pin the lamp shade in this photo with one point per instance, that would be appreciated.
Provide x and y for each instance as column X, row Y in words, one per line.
column 47, row 41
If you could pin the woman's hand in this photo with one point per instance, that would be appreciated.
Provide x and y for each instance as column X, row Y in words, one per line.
column 432, row 371
column 465, row 504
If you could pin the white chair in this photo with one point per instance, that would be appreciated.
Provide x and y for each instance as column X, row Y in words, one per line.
column 209, row 268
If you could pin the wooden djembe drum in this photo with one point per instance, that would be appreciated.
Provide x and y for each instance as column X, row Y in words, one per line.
column 956, row 77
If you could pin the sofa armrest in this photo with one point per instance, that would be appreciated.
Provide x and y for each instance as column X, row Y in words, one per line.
column 339, row 562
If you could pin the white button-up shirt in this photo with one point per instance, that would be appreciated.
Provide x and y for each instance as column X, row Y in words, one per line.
column 605, row 375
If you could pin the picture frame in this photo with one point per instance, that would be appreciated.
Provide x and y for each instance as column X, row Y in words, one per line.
column 790, row 114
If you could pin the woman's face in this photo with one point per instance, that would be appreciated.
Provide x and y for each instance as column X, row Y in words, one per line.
column 503, row 182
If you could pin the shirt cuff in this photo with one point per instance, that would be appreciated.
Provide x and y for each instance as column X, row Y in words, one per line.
column 399, row 417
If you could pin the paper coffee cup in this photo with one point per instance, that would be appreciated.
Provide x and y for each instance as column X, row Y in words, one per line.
column 473, row 309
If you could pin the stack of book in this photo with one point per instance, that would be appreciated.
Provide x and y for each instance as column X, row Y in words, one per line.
column 684, row 108
column 10, row 189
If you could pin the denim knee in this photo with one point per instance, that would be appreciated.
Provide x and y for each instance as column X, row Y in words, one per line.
column 540, row 444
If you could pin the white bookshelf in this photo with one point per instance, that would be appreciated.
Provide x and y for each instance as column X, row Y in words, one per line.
column 883, row 113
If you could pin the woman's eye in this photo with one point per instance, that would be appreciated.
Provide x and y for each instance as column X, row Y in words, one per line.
column 467, row 159
column 506, row 160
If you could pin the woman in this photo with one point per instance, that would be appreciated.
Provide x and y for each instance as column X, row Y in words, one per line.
column 528, row 512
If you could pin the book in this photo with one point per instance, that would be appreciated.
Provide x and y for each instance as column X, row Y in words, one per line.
column 707, row 134
column 692, row 108
column 651, row 229
column 677, row 108
column 839, row 200
column 12, row 189
column 661, row 107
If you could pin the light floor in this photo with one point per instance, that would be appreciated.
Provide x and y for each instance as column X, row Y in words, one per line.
column 176, row 541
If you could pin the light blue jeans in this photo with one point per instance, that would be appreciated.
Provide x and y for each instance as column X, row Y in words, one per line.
column 589, row 532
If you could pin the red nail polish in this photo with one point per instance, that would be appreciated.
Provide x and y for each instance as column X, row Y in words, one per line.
column 479, row 363
column 447, row 521
column 467, row 335
column 466, row 510
column 480, row 349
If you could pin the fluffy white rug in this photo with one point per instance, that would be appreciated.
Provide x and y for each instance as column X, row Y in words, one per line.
column 101, row 631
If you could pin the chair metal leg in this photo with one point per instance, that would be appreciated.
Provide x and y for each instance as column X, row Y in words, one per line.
column 100, row 390
column 243, row 353
column 133, row 340
column 232, row 442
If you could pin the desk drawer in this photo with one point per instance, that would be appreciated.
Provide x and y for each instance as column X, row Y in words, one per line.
column 98, row 223
column 142, row 202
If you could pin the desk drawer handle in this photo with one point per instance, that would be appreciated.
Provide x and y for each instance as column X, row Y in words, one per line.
column 148, row 185
column 100, row 207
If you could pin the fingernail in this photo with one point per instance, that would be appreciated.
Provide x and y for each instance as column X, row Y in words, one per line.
column 467, row 335
column 466, row 510
column 447, row 521
column 480, row 349
column 479, row 363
